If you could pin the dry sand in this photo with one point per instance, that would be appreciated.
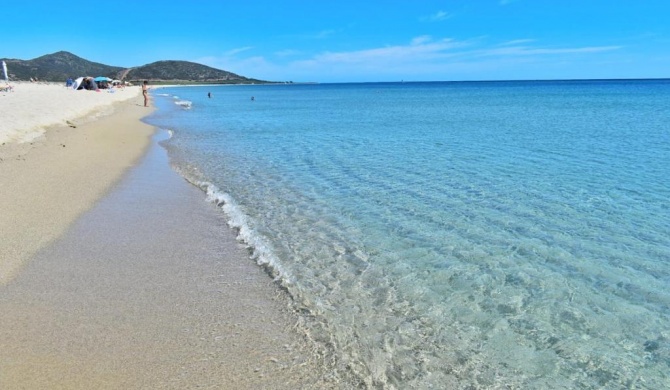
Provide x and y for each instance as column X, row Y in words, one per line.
column 115, row 274
column 26, row 112
column 45, row 184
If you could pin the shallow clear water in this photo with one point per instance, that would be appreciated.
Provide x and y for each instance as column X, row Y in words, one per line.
column 437, row 235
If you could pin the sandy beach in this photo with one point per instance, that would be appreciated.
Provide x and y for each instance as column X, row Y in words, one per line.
column 114, row 272
column 48, row 180
column 33, row 107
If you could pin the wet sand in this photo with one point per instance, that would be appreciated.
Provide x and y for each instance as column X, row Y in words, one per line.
column 148, row 289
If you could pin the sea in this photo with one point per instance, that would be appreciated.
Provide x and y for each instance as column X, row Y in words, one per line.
column 439, row 235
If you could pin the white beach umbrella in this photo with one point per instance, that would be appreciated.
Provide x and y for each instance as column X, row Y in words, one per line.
column 4, row 70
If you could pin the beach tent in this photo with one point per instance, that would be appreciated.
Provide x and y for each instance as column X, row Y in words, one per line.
column 4, row 70
column 85, row 83
column 90, row 84
column 77, row 83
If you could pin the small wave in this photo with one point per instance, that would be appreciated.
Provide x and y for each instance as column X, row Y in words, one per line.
column 262, row 251
column 162, row 94
column 185, row 104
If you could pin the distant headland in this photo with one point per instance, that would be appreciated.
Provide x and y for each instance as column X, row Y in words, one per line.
column 61, row 65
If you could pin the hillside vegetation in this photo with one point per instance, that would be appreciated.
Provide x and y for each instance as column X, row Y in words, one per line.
column 61, row 65
column 57, row 67
column 184, row 71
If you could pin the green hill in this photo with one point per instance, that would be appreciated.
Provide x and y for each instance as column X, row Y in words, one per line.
column 185, row 71
column 57, row 67
column 61, row 65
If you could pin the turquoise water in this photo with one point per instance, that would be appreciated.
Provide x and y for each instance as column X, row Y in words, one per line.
column 451, row 235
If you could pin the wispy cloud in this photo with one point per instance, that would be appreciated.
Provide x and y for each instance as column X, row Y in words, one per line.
column 422, row 56
column 530, row 51
column 230, row 60
column 516, row 42
column 420, row 48
column 313, row 35
column 287, row 53
column 237, row 50
column 323, row 34
column 421, row 39
column 423, row 48
column 436, row 17
column 255, row 66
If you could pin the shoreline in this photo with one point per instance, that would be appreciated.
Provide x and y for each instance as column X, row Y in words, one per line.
column 118, row 273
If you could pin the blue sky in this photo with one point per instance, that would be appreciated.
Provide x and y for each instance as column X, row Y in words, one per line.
column 341, row 41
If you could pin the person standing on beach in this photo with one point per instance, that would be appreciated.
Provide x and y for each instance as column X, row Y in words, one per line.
column 145, row 92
